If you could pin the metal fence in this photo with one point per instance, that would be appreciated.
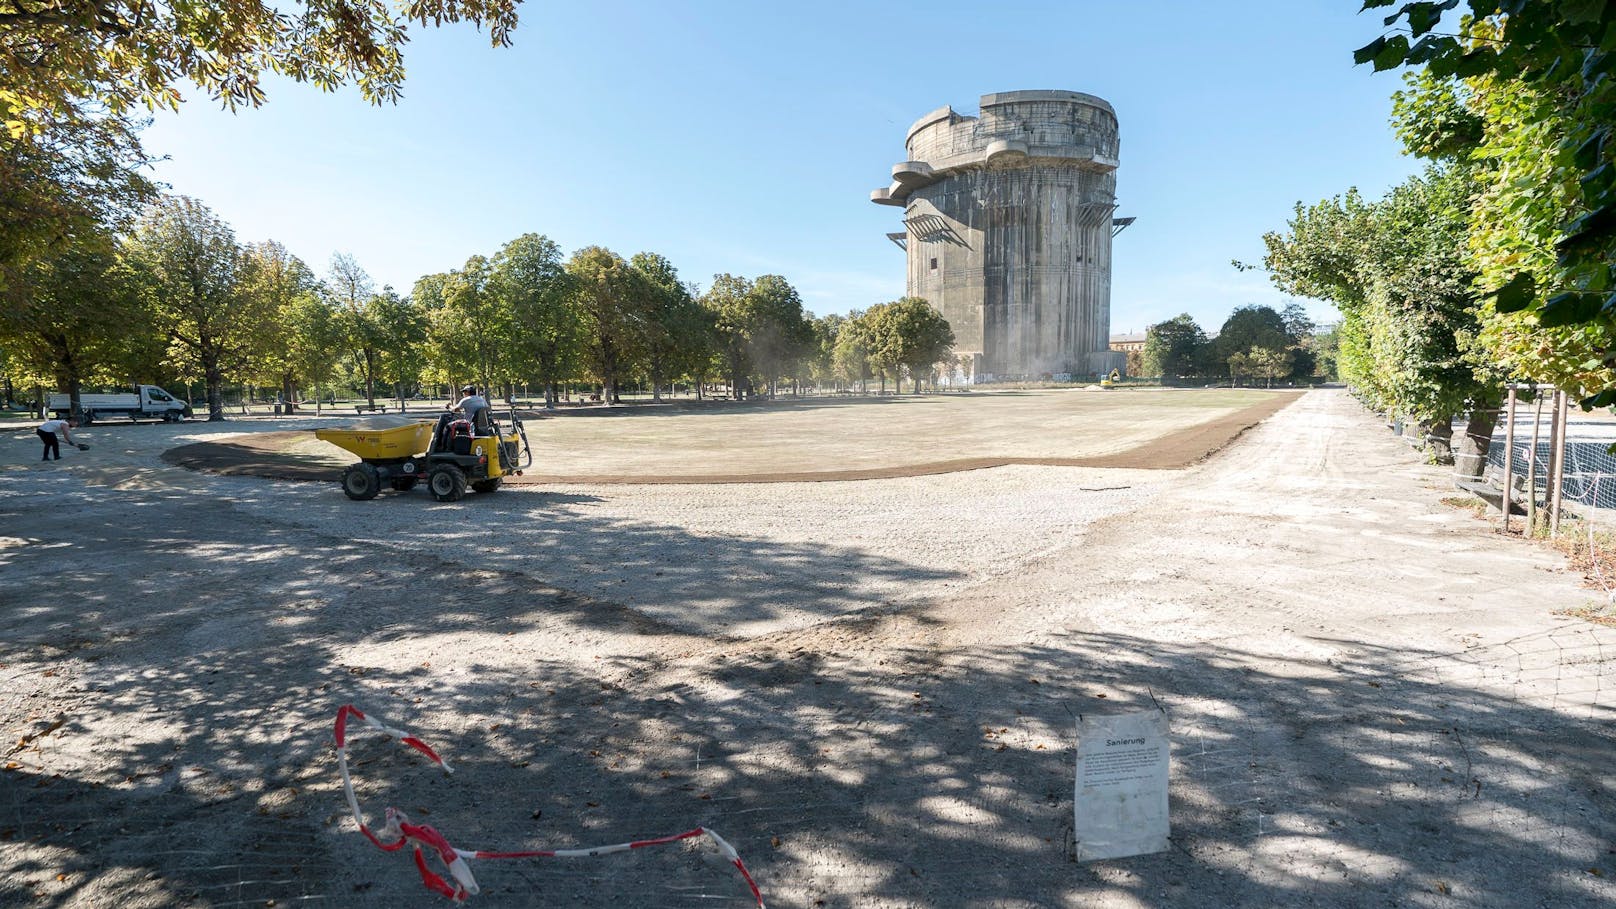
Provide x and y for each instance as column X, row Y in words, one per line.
column 1562, row 476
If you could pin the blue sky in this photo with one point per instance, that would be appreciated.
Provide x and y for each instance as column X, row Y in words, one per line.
column 745, row 137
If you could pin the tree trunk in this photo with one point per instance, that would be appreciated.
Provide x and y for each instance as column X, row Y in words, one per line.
column 1438, row 436
column 75, row 410
column 1470, row 458
column 215, row 383
column 288, row 394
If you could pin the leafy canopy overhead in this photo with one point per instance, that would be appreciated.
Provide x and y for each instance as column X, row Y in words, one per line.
column 124, row 53
column 1561, row 49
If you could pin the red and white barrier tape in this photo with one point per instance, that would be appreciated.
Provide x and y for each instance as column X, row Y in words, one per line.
column 398, row 830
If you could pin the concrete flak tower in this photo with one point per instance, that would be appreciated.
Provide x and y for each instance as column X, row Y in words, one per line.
column 1008, row 220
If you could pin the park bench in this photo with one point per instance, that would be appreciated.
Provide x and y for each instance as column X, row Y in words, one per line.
column 377, row 408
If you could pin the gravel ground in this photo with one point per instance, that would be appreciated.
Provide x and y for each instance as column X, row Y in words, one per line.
column 869, row 688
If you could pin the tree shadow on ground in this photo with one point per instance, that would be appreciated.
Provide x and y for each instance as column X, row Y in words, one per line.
column 196, row 679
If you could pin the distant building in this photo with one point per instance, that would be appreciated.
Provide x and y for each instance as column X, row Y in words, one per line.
column 1007, row 224
column 1128, row 342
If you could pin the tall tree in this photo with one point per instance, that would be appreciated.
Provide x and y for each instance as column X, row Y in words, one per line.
column 281, row 282
column 761, row 328
column 1248, row 327
column 827, row 330
column 192, row 267
column 530, row 280
column 908, row 335
column 851, row 358
column 351, row 291
column 1174, row 348
column 676, row 328
column 478, row 323
column 778, row 334
column 610, row 295
column 401, row 329
column 72, row 314
column 314, row 340
column 729, row 302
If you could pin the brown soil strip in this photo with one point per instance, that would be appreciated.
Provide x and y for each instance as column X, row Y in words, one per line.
column 268, row 455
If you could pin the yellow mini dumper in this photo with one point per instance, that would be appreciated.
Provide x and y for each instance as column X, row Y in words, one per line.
column 447, row 453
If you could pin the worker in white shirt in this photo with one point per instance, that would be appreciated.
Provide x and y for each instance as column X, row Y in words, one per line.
column 47, row 434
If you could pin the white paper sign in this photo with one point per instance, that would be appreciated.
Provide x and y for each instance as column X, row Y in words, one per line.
column 1121, row 802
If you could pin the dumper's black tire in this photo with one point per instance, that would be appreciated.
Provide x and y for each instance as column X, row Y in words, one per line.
column 447, row 483
column 486, row 485
column 404, row 484
column 360, row 482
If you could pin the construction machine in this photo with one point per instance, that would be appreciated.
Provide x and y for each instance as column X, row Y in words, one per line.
column 448, row 453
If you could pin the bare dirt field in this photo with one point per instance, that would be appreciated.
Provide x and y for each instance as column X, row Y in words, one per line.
column 869, row 688
column 794, row 440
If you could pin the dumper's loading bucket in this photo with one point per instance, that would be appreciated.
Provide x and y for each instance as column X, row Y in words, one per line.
column 381, row 438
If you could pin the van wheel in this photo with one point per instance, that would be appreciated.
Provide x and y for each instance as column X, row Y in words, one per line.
column 360, row 482
column 447, row 482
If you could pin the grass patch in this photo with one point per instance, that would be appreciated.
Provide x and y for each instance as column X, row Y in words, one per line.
column 1597, row 613
column 1475, row 506
column 1590, row 551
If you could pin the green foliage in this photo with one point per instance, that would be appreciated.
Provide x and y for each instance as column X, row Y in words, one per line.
column 778, row 332
column 192, row 269
column 1249, row 327
column 56, row 55
column 313, row 339
column 471, row 323
column 1396, row 269
column 760, row 326
column 679, row 331
column 1266, row 363
column 822, row 362
column 73, row 315
column 850, row 357
column 351, row 292
column 1543, row 73
column 1526, row 196
column 611, row 297
column 1174, row 348
column 531, row 281
column 281, row 283
column 907, row 335
column 401, row 339
column 80, row 179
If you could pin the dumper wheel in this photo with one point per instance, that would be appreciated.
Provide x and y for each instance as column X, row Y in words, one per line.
column 404, row 484
column 447, row 482
column 360, row 482
column 486, row 485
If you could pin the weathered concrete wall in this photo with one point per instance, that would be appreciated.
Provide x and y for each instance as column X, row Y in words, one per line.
column 1008, row 223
